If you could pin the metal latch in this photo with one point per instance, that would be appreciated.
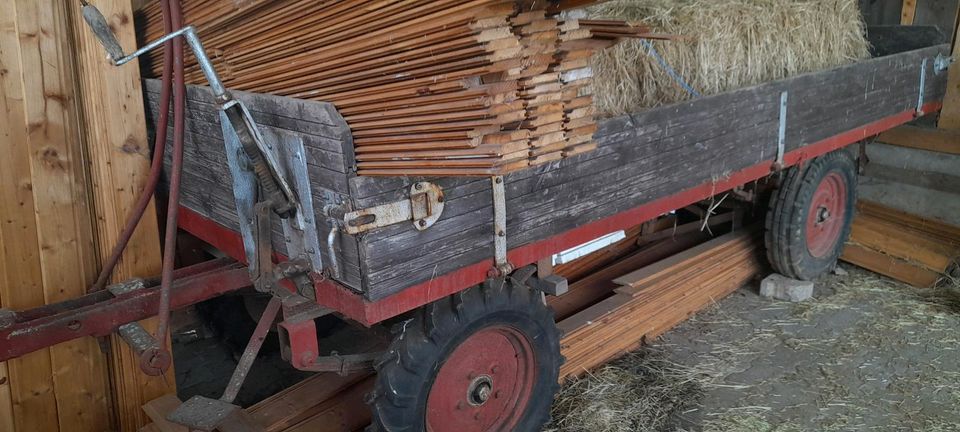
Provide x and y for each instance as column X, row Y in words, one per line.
column 423, row 208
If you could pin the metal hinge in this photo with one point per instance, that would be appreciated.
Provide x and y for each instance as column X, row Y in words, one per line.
column 423, row 208
column 502, row 266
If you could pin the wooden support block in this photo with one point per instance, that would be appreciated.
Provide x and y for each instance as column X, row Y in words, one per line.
column 935, row 140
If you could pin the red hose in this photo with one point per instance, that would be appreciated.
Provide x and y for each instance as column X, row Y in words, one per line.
column 156, row 166
column 173, row 202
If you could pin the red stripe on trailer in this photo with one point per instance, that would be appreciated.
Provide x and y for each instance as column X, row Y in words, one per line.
column 352, row 304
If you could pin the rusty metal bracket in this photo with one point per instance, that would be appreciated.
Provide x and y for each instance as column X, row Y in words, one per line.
column 502, row 266
column 299, row 344
column 423, row 208
column 153, row 360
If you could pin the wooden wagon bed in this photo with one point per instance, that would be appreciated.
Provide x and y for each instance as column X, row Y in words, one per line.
column 646, row 164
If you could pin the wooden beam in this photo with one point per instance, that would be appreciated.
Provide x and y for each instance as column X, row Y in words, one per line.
column 950, row 114
column 112, row 104
column 936, row 140
column 908, row 12
column 47, row 231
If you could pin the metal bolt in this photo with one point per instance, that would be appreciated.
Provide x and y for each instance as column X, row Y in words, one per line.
column 459, row 405
column 3, row 380
column 440, row 199
column 501, row 233
column 483, row 393
column 74, row 325
column 497, row 394
column 422, row 222
column 418, row 186
column 476, row 416
column 495, row 369
column 499, row 180
column 471, row 376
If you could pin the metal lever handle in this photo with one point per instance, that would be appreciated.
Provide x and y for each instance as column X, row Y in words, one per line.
column 101, row 29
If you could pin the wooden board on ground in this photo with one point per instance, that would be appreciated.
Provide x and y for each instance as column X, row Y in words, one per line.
column 923, row 138
column 919, row 251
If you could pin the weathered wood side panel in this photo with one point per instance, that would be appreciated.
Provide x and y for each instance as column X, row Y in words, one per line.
column 207, row 183
column 641, row 158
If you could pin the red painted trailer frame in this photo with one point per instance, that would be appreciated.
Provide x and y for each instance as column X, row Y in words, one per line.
column 352, row 305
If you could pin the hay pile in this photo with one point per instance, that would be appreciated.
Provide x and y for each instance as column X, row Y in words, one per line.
column 724, row 45
column 641, row 391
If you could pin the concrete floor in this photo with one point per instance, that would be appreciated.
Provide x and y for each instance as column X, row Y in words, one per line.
column 866, row 353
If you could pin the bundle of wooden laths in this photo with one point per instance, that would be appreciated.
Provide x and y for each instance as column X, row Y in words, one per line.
column 428, row 87
column 912, row 249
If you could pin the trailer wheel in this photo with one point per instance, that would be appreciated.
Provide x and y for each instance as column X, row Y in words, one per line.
column 810, row 216
column 486, row 359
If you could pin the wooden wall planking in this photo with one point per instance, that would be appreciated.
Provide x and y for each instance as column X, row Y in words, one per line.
column 909, row 12
column 49, row 253
column 116, row 140
column 950, row 115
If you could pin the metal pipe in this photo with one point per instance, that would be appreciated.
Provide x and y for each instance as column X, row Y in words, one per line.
column 176, row 171
column 193, row 41
column 156, row 166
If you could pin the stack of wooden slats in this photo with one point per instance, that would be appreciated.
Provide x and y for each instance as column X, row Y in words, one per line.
column 428, row 87
column 657, row 297
column 903, row 246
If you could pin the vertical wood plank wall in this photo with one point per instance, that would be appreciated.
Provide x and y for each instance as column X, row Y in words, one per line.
column 116, row 140
column 47, row 230
column 909, row 12
column 950, row 115
column 74, row 156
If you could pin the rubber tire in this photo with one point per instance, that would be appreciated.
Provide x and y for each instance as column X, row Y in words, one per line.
column 407, row 371
column 786, row 218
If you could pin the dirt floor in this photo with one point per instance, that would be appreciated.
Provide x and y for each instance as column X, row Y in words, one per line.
column 867, row 353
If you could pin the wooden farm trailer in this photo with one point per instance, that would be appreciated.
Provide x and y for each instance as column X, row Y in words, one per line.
column 462, row 263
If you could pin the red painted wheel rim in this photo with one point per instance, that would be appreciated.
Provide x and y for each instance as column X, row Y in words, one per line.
column 826, row 215
column 484, row 385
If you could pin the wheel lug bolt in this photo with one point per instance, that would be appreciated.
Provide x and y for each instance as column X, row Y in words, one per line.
column 497, row 394
column 476, row 416
column 459, row 405
column 495, row 369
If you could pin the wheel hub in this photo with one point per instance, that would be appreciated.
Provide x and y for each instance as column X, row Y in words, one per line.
column 826, row 216
column 484, row 385
column 480, row 390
